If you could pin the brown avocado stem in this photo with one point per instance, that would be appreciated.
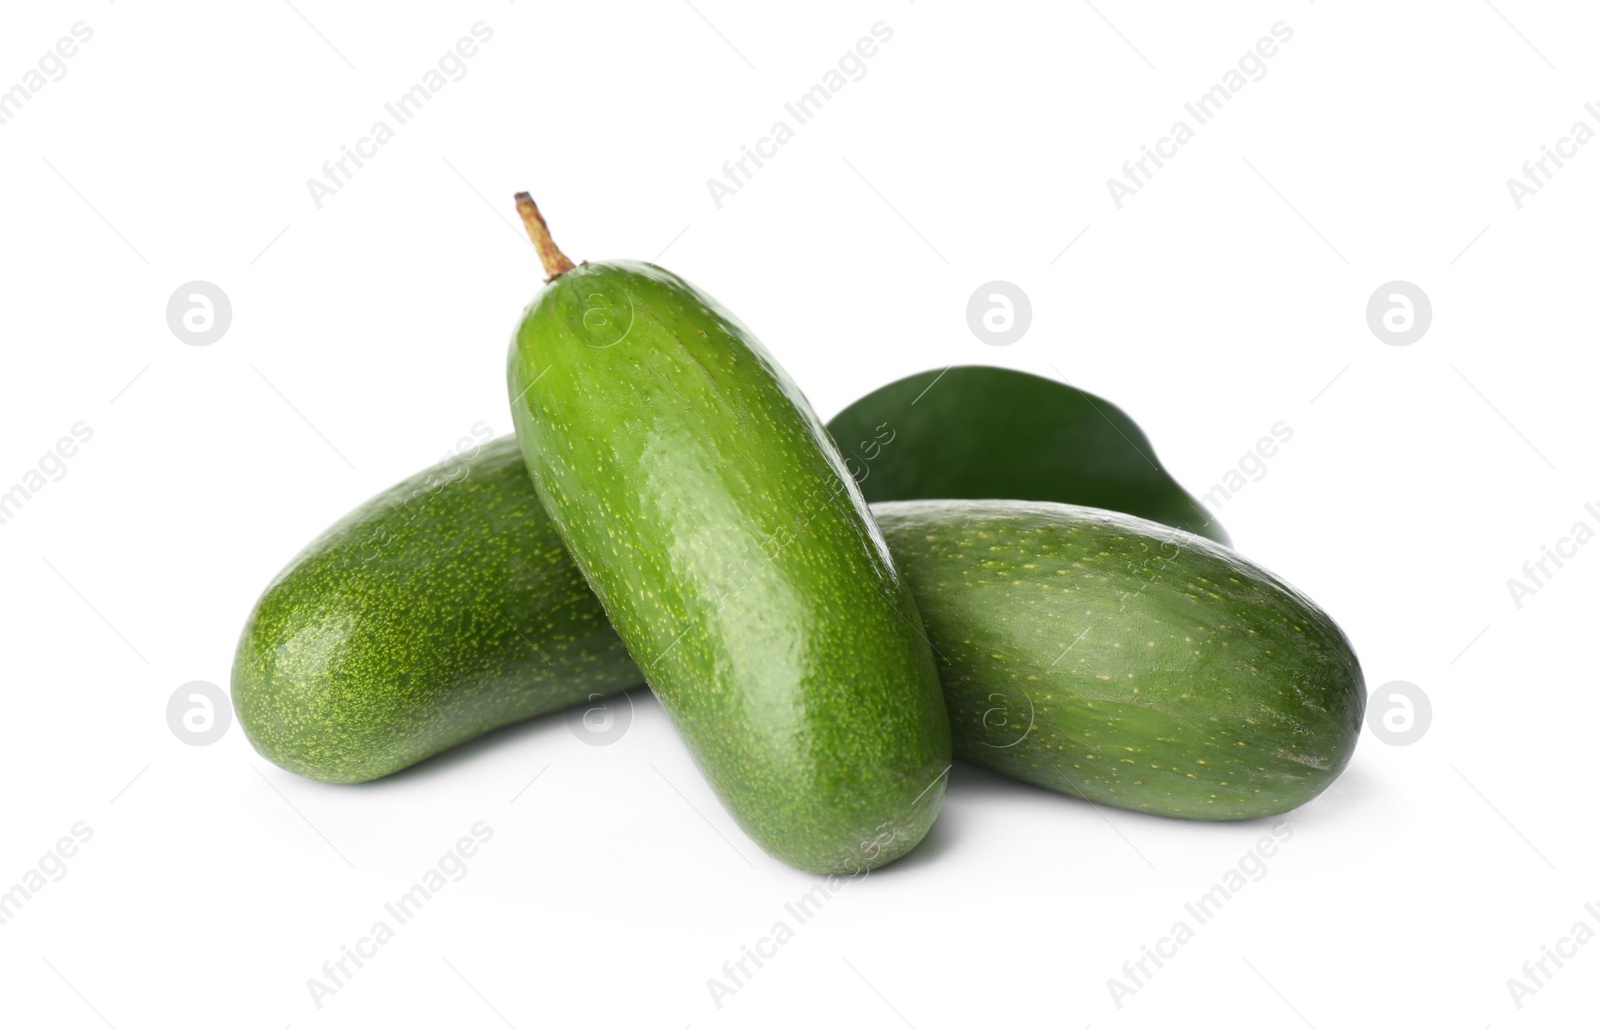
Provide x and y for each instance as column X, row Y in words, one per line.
column 550, row 255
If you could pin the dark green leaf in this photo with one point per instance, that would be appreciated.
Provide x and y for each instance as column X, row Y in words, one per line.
column 979, row 433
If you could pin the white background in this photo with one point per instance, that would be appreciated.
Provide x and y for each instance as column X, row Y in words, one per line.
column 369, row 335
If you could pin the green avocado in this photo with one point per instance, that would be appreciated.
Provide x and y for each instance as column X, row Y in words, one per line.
column 1088, row 652
column 715, row 520
column 1125, row 661
column 440, row 609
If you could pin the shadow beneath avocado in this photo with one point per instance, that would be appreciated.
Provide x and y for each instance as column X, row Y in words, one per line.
column 1352, row 789
column 932, row 848
column 967, row 784
column 1355, row 788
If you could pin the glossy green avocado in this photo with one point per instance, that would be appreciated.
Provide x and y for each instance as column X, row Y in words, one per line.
column 1127, row 662
column 1088, row 652
column 715, row 520
column 442, row 608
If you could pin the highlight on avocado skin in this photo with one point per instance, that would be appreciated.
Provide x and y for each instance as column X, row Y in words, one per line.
column 970, row 563
column 439, row 610
column 1085, row 651
column 714, row 518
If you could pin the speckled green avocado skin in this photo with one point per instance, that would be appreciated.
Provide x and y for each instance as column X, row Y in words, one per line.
column 1127, row 662
column 437, row 611
column 1091, row 653
column 714, row 518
